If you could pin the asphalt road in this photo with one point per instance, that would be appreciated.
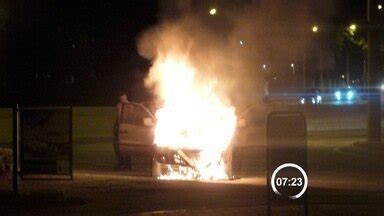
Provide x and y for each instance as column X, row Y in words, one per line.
column 116, row 193
column 341, row 182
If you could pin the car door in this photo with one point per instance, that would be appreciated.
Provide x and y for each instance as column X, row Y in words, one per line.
column 136, row 129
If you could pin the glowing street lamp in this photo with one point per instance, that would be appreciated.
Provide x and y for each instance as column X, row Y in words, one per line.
column 293, row 68
column 264, row 66
column 352, row 27
column 213, row 11
column 315, row 28
column 380, row 7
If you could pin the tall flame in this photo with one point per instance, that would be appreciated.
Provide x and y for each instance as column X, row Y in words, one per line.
column 193, row 116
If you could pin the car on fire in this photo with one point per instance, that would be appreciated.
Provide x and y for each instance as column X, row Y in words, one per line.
column 136, row 141
column 170, row 163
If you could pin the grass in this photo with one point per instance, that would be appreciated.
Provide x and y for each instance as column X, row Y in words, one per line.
column 92, row 140
column 94, row 156
column 89, row 123
column 6, row 126
column 92, row 136
column 93, row 122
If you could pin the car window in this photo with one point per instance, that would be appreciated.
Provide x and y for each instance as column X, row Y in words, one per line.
column 134, row 114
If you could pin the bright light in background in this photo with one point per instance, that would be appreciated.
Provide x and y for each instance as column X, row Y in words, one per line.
column 264, row 66
column 352, row 27
column 315, row 29
column 213, row 11
column 342, row 76
column 318, row 99
column 338, row 95
column 379, row 6
column 382, row 87
column 241, row 43
column 292, row 65
column 350, row 95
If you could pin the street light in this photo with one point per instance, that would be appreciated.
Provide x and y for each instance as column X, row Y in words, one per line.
column 352, row 27
column 213, row 11
column 293, row 68
column 315, row 28
column 379, row 6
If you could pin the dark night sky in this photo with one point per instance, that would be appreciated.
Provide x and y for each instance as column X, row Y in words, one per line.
column 84, row 52
column 77, row 52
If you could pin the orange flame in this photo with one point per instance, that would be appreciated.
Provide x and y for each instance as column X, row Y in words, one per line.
column 192, row 116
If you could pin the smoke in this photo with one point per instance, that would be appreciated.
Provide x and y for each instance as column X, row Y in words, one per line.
column 232, row 45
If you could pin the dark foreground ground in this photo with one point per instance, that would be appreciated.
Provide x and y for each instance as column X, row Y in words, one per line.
column 118, row 194
column 341, row 182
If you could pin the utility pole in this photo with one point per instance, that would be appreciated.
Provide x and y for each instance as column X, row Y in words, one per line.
column 348, row 63
column 374, row 103
column 304, row 70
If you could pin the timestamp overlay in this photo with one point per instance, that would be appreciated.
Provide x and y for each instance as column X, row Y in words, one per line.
column 289, row 180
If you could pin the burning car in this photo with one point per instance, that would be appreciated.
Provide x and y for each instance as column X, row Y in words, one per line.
column 170, row 163
column 194, row 125
column 136, row 139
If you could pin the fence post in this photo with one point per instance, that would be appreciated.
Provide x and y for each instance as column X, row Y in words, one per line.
column 15, row 148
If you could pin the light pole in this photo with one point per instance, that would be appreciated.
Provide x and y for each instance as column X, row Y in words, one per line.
column 347, row 63
column 315, row 30
column 352, row 28
column 374, row 103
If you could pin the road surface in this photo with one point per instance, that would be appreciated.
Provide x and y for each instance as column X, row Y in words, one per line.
column 115, row 193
